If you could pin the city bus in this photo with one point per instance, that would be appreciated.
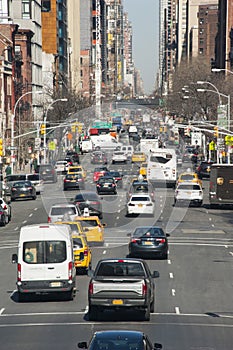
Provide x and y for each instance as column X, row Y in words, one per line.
column 162, row 166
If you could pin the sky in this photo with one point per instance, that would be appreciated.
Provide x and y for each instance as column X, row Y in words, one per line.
column 144, row 16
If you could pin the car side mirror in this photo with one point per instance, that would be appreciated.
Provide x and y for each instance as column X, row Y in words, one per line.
column 82, row 345
column 155, row 274
column 104, row 225
column 167, row 234
column 14, row 259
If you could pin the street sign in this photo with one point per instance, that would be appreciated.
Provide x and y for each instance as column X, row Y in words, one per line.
column 37, row 143
column 196, row 138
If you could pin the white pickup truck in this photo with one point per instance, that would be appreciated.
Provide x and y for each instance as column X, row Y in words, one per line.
column 120, row 284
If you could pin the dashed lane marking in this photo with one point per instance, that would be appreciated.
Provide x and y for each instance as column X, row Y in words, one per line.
column 2, row 310
column 177, row 310
column 171, row 275
column 173, row 292
column 30, row 215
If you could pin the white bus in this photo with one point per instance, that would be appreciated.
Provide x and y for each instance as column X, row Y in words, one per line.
column 162, row 166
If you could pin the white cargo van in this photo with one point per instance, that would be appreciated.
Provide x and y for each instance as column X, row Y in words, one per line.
column 45, row 262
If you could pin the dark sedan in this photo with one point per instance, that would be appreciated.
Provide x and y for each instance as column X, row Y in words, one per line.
column 89, row 200
column 106, row 184
column 22, row 189
column 148, row 241
column 73, row 181
column 98, row 157
column 119, row 339
column 117, row 176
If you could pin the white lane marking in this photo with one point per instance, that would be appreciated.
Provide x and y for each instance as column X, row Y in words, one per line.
column 210, row 219
column 226, row 246
column 106, row 244
column 25, row 221
column 35, row 209
column 86, row 309
column 16, row 228
column 2, row 310
column 231, row 253
column 212, row 225
column 171, row 275
column 173, row 292
column 104, row 252
column 169, row 262
column 117, row 218
column 177, row 310
column 30, row 215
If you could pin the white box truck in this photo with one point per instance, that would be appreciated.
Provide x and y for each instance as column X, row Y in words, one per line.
column 45, row 262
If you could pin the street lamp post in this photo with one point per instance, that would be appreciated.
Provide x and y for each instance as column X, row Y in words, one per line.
column 45, row 121
column 13, row 124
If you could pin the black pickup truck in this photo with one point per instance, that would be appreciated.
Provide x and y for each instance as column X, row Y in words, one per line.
column 120, row 284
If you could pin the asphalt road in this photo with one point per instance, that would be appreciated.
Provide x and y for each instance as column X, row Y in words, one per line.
column 193, row 294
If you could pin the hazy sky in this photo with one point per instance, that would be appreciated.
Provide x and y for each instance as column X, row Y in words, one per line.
column 144, row 16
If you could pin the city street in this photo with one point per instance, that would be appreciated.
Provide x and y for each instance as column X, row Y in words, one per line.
column 193, row 294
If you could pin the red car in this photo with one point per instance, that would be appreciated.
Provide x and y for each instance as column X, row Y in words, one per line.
column 98, row 172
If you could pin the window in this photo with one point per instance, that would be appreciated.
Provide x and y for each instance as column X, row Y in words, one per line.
column 26, row 9
column 42, row 252
column 46, row 6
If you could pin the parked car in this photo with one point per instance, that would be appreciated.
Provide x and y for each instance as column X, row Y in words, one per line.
column 140, row 204
column 189, row 193
column 22, row 190
column 5, row 212
column 106, row 184
column 47, row 172
column 119, row 339
column 203, row 170
column 75, row 181
column 63, row 212
column 89, row 200
column 148, row 241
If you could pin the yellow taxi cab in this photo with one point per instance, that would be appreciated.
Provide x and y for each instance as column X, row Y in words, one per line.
column 82, row 253
column 76, row 227
column 189, row 176
column 138, row 157
column 93, row 229
column 74, row 169
column 143, row 169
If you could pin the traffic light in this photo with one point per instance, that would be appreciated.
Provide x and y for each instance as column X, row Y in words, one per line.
column 42, row 129
column 216, row 131
column 187, row 131
column 1, row 147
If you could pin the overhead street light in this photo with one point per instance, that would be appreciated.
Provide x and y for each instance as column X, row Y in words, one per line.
column 13, row 124
column 45, row 121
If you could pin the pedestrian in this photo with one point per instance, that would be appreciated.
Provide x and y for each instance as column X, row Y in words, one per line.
column 8, row 170
column 20, row 163
column 31, row 164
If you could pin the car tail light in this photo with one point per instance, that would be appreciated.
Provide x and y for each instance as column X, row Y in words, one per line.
column 91, row 288
column 131, row 205
column 135, row 240
column 19, row 273
column 97, row 185
column 149, row 205
column 144, row 288
column 14, row 189
column 200, row 193
column 70, row 268
column 95, row 202
column 65, row 180
column 85, row 252
column 199, row 168
column 5, row 207
column 211, row 185
column 53, row 171
column 161, row 240
column 30, row 188
column 49, row 220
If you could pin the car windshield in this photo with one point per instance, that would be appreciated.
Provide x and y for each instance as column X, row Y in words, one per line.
column 22, row 184
column 86, row 197
column 187, row 177
column 77, row 243
column 106, row 180
column 89, row 223
column 34, row 177
column 125, row 343
column 114, row 173
column 140, row 199
column 148, row 231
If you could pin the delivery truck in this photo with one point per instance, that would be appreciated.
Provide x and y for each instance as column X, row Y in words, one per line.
column 221, row 185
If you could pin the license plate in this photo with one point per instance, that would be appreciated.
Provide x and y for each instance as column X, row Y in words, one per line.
column 55, row 284
column 140, row 205
column 105, row 185
column 22, row 195
column 208, row 170
column 148, row 243
column 117, row 302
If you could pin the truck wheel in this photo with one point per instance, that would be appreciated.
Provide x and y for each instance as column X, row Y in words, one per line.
column 93, row 313
column 152, row 306
column 147, row 314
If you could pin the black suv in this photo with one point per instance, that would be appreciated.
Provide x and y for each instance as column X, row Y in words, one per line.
column 89, row 200
column 47, row 172
column 203, row 169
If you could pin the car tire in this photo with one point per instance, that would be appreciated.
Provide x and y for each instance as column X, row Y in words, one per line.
column 64, row 189
column 152, row 306
column 147, row 313
column 34, row 198
column 165, row 256
column 69, row 296
column 3, row 223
